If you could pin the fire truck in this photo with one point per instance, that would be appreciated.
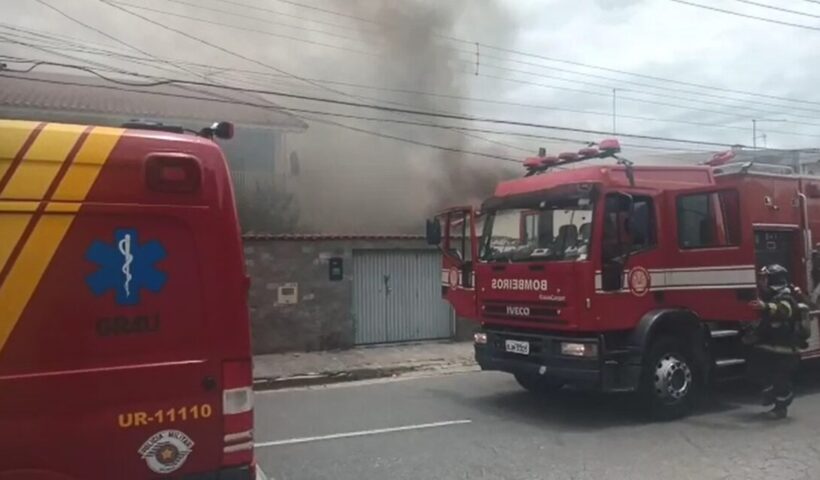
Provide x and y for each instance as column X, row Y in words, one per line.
column 623, row 278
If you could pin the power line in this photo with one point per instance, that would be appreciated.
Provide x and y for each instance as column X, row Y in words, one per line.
column 639, row 84
column 348, row 116
column 738, row 14
column 608, row 93
column 110, row 37
column 461, row 51
column 283, row 14
column 780, row 9
column 485, row 46
column 126, row 44
column 651, row 102
column 230, row 52
column 548, row 108
column 251, row 17
column 523, row 105
column 247, row 29
column 328, row 11
column 92, row 28
column 269, row 106
column 450, row 116
column 492, row 66
column 628, row 99
column 102, row 66
column 491, row 141
column 218, row 47
column 164, row 82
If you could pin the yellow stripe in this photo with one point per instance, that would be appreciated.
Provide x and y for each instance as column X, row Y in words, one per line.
column 12, row 226
column 18, row 207
column 24, row 276
column 42, row 162
column 21, row 283
column 13, row 135
column 63, row 207
column 87, row 164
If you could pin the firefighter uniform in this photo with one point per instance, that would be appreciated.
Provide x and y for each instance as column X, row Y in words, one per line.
column 776, row 339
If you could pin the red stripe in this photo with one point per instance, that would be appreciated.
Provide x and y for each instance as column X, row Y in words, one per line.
column 42, row 205
column 18, row 159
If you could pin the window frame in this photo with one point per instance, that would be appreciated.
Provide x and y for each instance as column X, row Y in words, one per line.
column 719, row 215
column 652, row 220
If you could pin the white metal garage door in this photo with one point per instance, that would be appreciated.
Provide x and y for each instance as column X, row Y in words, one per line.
column 397, row 296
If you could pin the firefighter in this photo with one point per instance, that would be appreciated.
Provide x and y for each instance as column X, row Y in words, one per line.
column 776, row 337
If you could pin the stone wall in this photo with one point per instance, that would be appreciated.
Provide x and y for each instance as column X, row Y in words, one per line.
column 321, row 318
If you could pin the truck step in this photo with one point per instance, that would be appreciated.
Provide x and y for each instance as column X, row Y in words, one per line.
column 724, row 333
column 729, row 362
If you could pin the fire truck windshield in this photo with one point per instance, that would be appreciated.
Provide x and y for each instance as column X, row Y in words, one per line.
column 558, row 231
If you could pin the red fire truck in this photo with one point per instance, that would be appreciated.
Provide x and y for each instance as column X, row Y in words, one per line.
column 625, row 278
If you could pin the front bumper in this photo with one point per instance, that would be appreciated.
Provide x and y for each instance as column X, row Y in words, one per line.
column 613, row 370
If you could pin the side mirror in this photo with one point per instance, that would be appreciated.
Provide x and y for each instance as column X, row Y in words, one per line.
column 433, row 232
column 223, row 130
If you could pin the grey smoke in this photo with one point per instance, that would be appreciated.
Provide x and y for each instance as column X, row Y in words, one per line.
column 353, row 182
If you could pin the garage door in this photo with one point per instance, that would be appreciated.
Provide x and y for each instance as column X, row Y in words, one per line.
column 397, row 296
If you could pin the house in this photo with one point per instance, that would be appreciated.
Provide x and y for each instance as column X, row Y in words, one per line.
column 260, row 161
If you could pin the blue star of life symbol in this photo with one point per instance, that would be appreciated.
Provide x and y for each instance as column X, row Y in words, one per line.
column 126, row 267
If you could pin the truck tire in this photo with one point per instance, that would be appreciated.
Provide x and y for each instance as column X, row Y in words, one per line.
column 537, row 384
column 670, row 382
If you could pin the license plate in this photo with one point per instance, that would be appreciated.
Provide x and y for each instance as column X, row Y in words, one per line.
column 516, row 346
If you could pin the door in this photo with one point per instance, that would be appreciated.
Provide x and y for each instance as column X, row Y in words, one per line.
column 711, row 263
column 396, row 296
column 459, row 251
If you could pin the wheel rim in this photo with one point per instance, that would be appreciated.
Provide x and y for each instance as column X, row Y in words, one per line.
column 673, row 377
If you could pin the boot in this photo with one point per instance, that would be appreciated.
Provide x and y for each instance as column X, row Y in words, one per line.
column 768, row 397
column 779, row 412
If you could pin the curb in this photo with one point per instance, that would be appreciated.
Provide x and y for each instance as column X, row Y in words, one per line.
column 353, row 375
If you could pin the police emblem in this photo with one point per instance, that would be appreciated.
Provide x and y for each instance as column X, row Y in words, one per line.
column 166, row 451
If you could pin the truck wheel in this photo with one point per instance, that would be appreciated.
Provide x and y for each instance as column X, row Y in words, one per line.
column 537, row 384
column 670, row 383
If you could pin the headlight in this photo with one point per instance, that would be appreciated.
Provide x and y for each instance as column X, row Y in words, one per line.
column 480, row 338
column 579, row 349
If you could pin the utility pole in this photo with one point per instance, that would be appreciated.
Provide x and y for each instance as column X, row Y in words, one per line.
column 754, row 133
column 754, row 129
column 614, row 110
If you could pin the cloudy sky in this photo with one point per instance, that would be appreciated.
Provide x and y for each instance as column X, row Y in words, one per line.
column 679, row 71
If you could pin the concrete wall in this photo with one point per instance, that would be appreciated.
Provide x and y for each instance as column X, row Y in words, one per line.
column 321, row 320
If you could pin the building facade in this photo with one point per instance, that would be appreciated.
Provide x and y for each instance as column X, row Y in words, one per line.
column 326, row 292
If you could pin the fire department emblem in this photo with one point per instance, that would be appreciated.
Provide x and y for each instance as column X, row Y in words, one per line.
column 639, row 281
column 166, row 451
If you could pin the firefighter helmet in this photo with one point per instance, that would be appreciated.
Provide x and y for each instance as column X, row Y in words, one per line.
column 776, row 276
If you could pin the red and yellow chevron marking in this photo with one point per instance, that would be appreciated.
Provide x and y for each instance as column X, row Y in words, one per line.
column 46, row 171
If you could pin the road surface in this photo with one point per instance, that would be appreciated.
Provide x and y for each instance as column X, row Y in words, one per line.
column 482, row 425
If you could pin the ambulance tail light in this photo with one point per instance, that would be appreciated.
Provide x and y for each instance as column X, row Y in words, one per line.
column 173, row 173
column 237, row 412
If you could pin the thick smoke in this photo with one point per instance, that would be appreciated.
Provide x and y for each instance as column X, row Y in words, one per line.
column 345, row 181
column 354, row 182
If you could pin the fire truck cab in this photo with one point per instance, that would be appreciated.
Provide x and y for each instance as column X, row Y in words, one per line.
column 624, row 278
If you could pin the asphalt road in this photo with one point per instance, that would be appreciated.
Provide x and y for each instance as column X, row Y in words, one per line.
column 484, row 426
